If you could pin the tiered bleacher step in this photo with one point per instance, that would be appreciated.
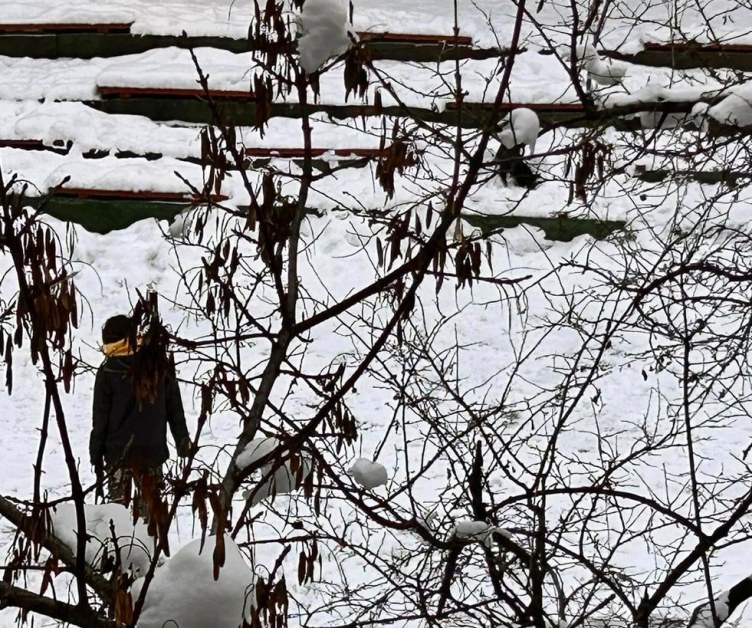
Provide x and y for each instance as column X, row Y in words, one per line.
column 109, row 209
column 85, row 41
column 321, row 158
column 100, row 211
column 689, row 55
column 239, row 109
column 59, row 146
column 710, row 177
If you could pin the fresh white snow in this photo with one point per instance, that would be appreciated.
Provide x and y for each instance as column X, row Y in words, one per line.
column 736, row 108
column 521, row 128
column 276, row 478
column 111, row 529
column 605, row 73
column 185, row 592
column 324, row 32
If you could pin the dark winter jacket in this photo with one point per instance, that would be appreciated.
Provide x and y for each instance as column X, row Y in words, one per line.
column 126, row 432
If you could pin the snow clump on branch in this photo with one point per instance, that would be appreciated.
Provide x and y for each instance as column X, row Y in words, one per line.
column 735, row 109
column 702, row 617
column 107, row 526
column 600, row 71
column 286, row 477
column 468, row 530
column 368, row 474
column 325, row 33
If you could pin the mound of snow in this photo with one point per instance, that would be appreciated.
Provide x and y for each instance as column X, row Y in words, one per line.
column 134, row 543
column 284, row 480
column 702, row 617
column 180, row 225
column 184, row 593
column 602, row 72
column 368, row 474
column 699, row 116
column 736, row 108
column 660, row 119
column 324, row 28
column 257, row 449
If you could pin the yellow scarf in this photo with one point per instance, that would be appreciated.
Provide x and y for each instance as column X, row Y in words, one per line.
column 117, row 348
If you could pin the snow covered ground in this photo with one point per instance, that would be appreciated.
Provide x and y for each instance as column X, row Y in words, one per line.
column 476, row 319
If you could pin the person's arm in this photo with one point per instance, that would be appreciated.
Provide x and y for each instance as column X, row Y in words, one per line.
column 176, row 417
column 100, row 417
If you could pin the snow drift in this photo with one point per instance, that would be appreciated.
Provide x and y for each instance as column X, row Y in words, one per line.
column 109, row 526
column 184, row 593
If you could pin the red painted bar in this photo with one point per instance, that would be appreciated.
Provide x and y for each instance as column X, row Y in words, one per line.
column 65, row 28
column 508, row 106
column 416, row 38
column 132, row 195
column 299, row 153
column 695, row 47
column 172, row 92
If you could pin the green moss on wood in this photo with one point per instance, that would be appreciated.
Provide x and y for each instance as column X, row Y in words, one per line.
column 686, row 59
column 89, row 45
column 559, row 228
column 103, row 216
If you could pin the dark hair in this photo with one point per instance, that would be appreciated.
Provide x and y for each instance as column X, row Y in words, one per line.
column 152, row 363
column 118, row 327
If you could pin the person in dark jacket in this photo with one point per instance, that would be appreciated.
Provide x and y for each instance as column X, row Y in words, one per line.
column 136, row 396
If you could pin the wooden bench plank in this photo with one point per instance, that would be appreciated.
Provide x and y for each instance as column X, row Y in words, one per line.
column 195, row 110
column 139, row 195
column 111, row 91
column 414, row 38
column 64, row 27
column 686, row 56
column 473, row 115
column 535, row 106
column 255, row 156
column 299, row 153
column 42, row 41
column 89, row 45
column 728, row 177
column 695, row 47
column 58, row 146
column 125, row 27
column 558, row 228
column 104, row 215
